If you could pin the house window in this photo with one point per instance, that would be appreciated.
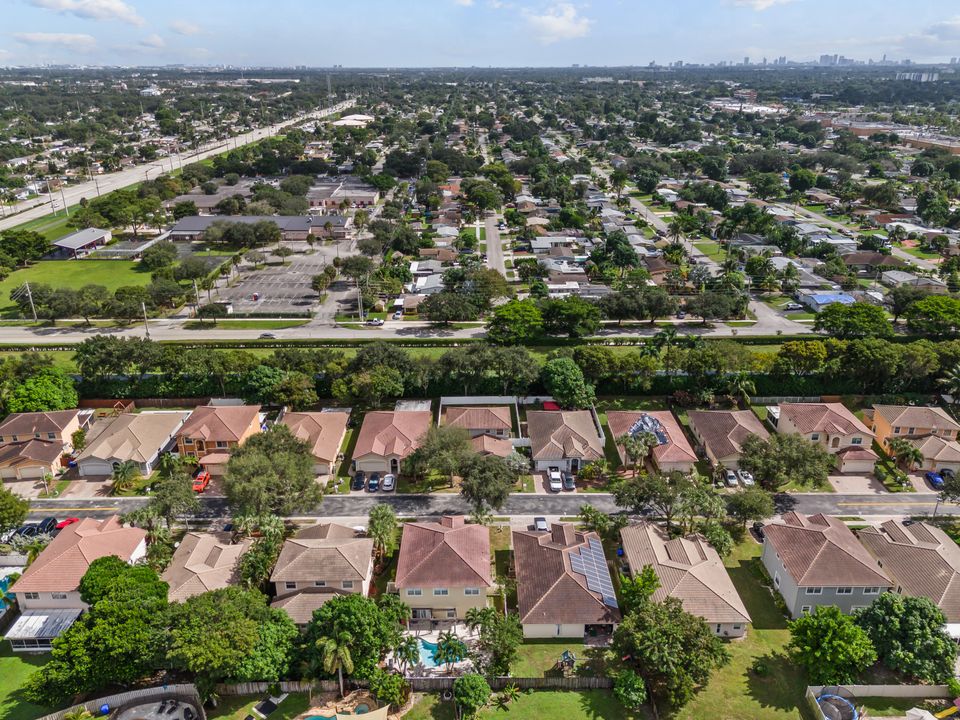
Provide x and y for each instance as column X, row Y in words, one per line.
column 319, row 583
column 871, row 591
column 451, row 614
column 856, row 441
column 899, row 589
column 348, row 585
column 844, row 591
column 58, row 595
column 471, row 591
column 415, row 592
column 805, row 609
column 188, row 441
column 13, row 437
column 36, row 435
column 1, row 438
column 736, row 627
column 911, row 431
column 815, row 436
column 776, row 579
column 290, row 585
column 221, row 444
column 51, row 436
column 440, row 591
column 814, row 591
column 31, row 596
column 896, row 430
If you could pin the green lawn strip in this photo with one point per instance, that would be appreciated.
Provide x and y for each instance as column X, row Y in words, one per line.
column 239, row 707
column 346, row 448
column 385, row 575
column 15, row 668
column 538, row 658
column 245, row 325
column 892, row 707
column 534, row 705
column 56, row 490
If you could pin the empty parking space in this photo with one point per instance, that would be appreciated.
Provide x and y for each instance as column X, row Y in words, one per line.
column 275, row 289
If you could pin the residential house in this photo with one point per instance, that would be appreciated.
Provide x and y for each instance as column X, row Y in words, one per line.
column 938, row 453
column 30, row 459
column 816, row 561
column 920, row 559
column 322, row 431
column 478, row 420
column 690, row 570
column 326, row 556
column 564, row 588
column 57, row 426
column 567, row 439
column 834, row 427
column 817, row 301
column 443, row 568
column 131, row 437
column 387, row 437
column 672, row 451
column 900, row 278
column 490, row 445
column 217, row 429
column 204, row 561
column 722, row 433
column 48, row 591
column 910, row 421
column 871, row 262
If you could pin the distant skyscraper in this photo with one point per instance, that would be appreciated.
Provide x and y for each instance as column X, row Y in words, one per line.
column 746, row 60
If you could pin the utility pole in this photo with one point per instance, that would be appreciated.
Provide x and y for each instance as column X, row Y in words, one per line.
column 146, row 328
column 64, row 198
column 196, row 292
column 33, row 308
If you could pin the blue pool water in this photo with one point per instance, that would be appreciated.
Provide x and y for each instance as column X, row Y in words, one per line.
column 322, row 717
column 427, row 651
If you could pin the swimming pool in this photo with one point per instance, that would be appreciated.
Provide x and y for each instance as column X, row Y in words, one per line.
column 427, row 652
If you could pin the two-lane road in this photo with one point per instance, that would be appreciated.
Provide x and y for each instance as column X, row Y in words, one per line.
column 494, row 245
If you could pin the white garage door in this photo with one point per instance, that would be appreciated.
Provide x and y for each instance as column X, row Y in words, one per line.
column 93, row 467
column 8, row 473
column 36, row 471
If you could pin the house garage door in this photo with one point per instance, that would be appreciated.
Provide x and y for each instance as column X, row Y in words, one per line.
column 95, row 467
column 8, row 473
column 37, row 471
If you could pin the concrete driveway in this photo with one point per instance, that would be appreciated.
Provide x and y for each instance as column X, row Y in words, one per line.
column 857, row 485
column 88, row 487
column 24, row 488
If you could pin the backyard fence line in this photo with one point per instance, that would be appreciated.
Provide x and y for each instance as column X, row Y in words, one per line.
column 289, row 686
column 893, row 691
column 184, row 693
column 421, row 684
column 777, row 399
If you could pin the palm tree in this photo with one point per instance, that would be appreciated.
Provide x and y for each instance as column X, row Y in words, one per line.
column 407, row 652
column 905, row 452
column 637, row 447
column 382, row 529
column 450, row 650
column 740, row 386
column 951, row 382
column 675, row 230
column 34, row 548
column 478, row 617
column 335, row 654
column 124, row 477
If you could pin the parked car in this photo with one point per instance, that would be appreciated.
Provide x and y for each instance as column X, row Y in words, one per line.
column 681, row 315
column 373, row 484
column 540, row 524
column 68, row 521
column 267, row 336
column 28, row 530
column 731, row 478
column 948, row 474
column 758, row 529
column 389, row 482
column 934, row 478
column 201, row 480
column 359, row 480
column 791, row 306
column 556, row 480
column 568, row 481
column 745, row 478
column 46, row 526
column 398, row 315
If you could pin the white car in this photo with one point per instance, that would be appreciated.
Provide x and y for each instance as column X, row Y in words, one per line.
column 389, row 483
column 731, row 478
column 745, row 478
column 791, row 306
column 398, row 315
column 556, row 480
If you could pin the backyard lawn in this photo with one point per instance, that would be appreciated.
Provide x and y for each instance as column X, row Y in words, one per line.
column 538, row 658
column 535, row 705
column 238, row 707
column 14, row 670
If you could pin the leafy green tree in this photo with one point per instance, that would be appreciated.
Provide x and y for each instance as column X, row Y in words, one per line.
column 571, row 315
column 444, row 450
column 389, row 688
column 48, row 390
column 446, row 307
column 637, row 590
column 858, row 320
column 663, row 493
column 486, row 481
column 471, row 693
column 272, row 472
column 909, row 636
column 370, row 386
column 515, row 322
column 13, row 509
column 785, row 458
column 630, row 689
column 714, row 305
column 673, row 651
column 383, row 529
column 830, row 646
column 934, row 315
column 564, row 380
column 751, row 503
column 498, row 646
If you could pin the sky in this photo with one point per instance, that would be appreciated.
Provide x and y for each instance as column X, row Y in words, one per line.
column 484, row 33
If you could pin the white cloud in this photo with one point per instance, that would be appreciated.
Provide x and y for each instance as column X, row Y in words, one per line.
column 93, row 9
column 464, row 3
column 561, row 22
column 760, row 5
column 182, row 27
column 76, row 42
column 945, row 30
column 153, row 41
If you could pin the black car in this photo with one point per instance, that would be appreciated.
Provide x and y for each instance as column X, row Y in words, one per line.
column 948, row 474
column 46, row 526
column 28, row 530
column 358, row 481
column 758, row 529
column 373, row 484
column 568, row 481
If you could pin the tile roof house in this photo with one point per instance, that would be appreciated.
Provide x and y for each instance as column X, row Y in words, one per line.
column 443, row 569
column 721, row 433
column 322, row 431
column 489, row 445
column 53, row 426
column 134, row 437
column 817, row 560
column 567, row 439
column 204, row 561
column 690, row 570
column 48, row 591
column 931, row 429
column 326, row 555
column 30, row 459
column 480, row 419
column 217, row 428
column 673, row 451
column 301, row 604
column 563, row 583
column 921, row 560
column 387, row 437
column 938, row 454
column 834, row 427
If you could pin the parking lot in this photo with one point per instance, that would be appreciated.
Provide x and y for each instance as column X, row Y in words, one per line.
column 275, row 289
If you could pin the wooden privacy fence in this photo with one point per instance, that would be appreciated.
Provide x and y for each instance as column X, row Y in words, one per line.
column 184, row 693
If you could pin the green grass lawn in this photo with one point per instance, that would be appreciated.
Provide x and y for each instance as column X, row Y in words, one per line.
column 112, row 274
column 238, row 707
column 14, row 670
column 50, row 226
column 918, row 253
column 245, row 325
column 535, row 705
column 712, row 250
column 735, row 692
column 537, row 658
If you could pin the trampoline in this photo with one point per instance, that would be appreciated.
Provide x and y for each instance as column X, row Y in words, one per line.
column 837, row 703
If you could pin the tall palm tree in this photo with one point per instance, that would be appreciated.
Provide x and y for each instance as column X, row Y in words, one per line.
column 905, row 452
column 407, row 652
column 478, row 617
column 335, row 654
column 637, row 447
column 382, row 529
column 675, row 229
column 450, row 650
column 124, row 477
column 740, row 386
column 951, row 382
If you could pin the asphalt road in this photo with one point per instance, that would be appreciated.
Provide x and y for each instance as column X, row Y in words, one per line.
column 494, row 245
column 517, row 505
column 40, row 207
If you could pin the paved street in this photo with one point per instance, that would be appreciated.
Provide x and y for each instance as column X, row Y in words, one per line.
column 494, row 245
column 39, row 207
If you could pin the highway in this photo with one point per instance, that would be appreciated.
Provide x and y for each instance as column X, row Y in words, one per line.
column 40, row 207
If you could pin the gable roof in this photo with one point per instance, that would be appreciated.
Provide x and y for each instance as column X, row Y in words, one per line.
column 563, row 434
column 549, row 591
column 820, row 550
column 391, row 432
column 301, row 604
column 490, row 445
column 202, row 562
column 829, row 418
column 922, row 559
column 725, row 431
column 326, row 551
column 676, row 449
column 689, row 569
column 225, row 423
column 322, row 431
column 30, row 452
column 496, row 417
column 909, row 416
column 444, row 554
column 37, row 422
column 937, row 448
column 64, row 561
column 132, row 436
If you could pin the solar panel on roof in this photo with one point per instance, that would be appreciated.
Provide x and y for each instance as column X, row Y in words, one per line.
column 645, row 423
column 590, row 562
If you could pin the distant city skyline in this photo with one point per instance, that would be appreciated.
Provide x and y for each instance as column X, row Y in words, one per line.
column 463, row 33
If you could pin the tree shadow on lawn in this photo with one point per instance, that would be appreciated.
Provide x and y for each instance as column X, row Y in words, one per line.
column 756, row 596
column 780, row 686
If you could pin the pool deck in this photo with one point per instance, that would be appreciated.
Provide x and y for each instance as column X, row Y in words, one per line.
column 433, row 636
